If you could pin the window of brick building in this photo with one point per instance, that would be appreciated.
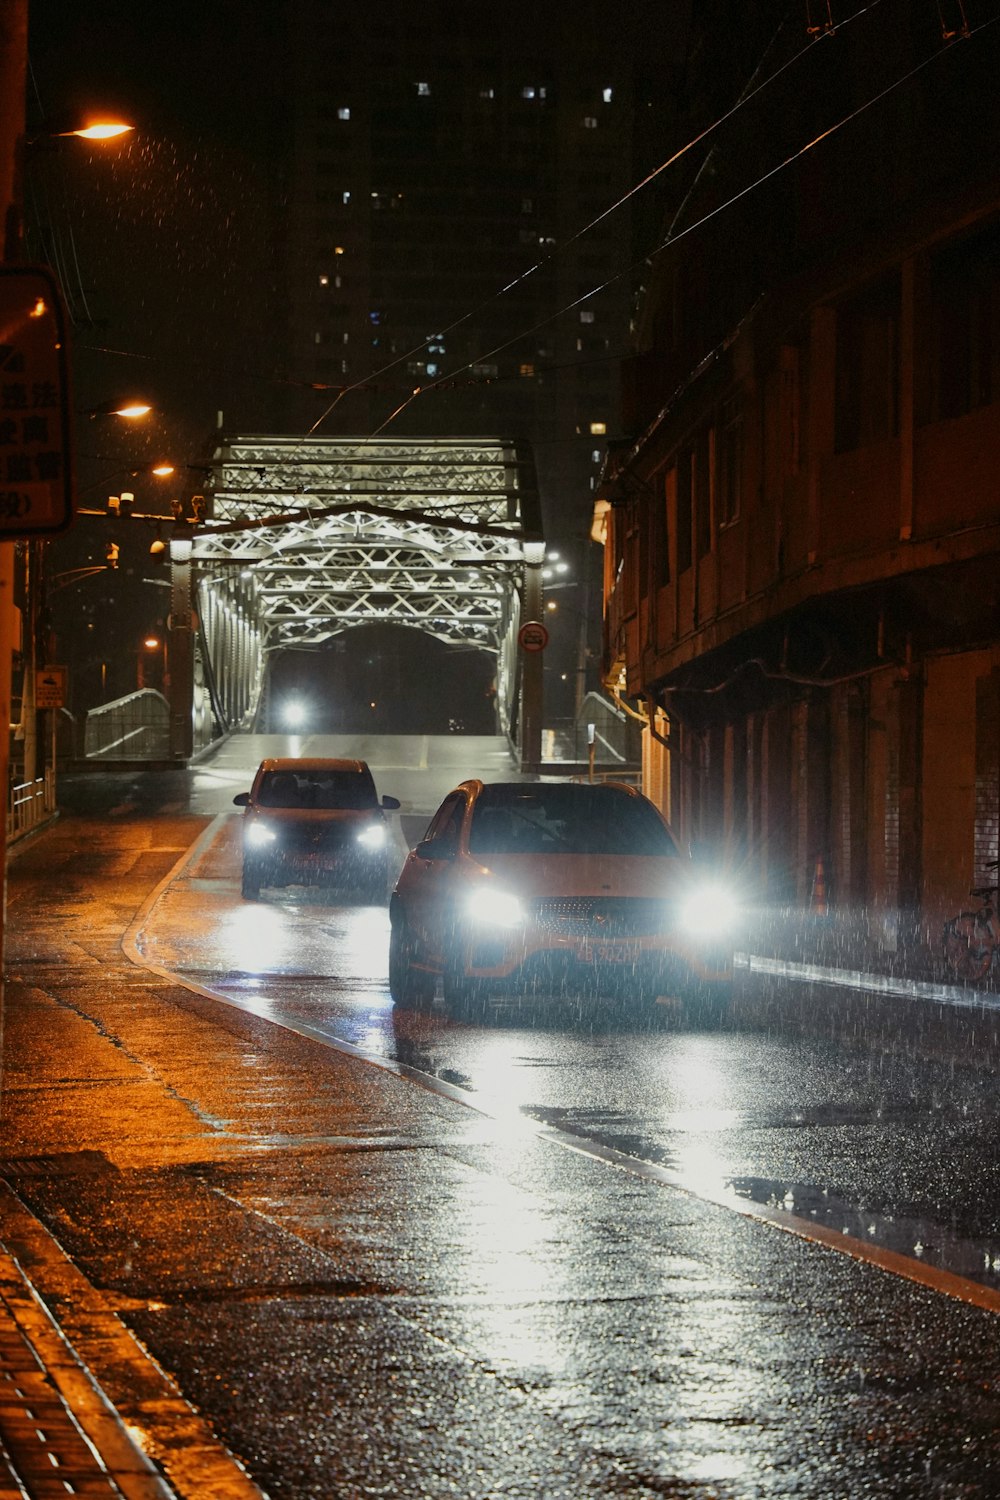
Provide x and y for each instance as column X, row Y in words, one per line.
column 964, row 326
column 685, row 475
column 730, row 460
column 867, row 369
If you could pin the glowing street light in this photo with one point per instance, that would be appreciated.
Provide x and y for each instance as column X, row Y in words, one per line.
column 100, row 130
column 131, row 410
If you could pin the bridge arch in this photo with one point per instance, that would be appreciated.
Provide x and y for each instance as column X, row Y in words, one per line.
column 307, row 538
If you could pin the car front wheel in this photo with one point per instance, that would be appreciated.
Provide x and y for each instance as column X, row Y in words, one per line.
column 411, row 988
column 252, row 880
column 464, row 995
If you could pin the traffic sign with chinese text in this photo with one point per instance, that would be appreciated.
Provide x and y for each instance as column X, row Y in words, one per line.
column 50, row 687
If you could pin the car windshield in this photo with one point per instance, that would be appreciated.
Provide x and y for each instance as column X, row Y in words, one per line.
column 327, row 790
column 512, row 818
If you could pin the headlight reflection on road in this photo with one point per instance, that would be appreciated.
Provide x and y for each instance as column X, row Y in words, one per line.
column 700, row 1111
column 256, row 939
column 512, row 1316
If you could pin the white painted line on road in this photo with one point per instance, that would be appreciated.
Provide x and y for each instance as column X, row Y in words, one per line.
column 860, row 979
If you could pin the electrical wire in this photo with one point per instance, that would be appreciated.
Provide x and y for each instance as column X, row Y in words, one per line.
column 744, row 99
column 690, row 229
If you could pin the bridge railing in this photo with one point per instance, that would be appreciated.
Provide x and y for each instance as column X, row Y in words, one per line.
column 136, row 727
column 31, row 804
column 615, row 736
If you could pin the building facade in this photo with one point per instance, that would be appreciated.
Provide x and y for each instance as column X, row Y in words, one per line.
column 802, row 523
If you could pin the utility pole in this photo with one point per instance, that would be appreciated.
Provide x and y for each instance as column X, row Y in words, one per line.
column 13, row 82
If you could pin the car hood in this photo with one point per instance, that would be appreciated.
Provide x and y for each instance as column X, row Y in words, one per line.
column 555, row 875
column 297, row 817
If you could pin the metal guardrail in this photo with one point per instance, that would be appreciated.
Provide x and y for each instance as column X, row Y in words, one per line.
column 136, row 727
column 31, row 804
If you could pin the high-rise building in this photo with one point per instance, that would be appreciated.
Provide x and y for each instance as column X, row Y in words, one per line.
column 444, row 163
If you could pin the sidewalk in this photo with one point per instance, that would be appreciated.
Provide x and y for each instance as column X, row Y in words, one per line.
column 58, row 1433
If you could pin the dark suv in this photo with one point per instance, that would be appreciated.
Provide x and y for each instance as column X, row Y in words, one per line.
column 315, row 822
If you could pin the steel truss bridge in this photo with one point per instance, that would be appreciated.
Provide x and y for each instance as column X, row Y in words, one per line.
column 302, row 539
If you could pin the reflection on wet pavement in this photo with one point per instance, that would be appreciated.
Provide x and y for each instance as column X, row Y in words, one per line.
column 689, row 1103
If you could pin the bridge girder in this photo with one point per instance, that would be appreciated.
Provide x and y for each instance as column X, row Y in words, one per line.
column 341, row 532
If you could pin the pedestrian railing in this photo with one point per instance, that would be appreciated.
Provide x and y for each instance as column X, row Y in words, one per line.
column 136, row 727
column 31, row 804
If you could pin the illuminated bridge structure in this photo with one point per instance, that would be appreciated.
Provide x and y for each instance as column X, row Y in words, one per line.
column 304, row 538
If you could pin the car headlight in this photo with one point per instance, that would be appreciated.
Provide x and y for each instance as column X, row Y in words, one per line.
column 712, row 910
column 258, row 834
column 493, row 908
column 373, row 837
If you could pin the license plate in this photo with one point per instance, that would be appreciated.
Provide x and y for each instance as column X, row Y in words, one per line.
column 615, row 953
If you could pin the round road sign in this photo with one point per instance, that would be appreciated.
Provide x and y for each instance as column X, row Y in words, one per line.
column 532, row 636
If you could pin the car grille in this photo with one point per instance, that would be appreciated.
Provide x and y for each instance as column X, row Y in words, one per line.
column 317, row 839
column 603, row 916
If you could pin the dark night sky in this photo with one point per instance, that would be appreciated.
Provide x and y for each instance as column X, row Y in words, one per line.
column 164, row 243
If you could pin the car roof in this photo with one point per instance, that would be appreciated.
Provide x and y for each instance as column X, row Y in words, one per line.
column 312, row 763
column 476, row 786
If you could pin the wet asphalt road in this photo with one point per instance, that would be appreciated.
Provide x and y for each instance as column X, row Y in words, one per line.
column 553, row 1229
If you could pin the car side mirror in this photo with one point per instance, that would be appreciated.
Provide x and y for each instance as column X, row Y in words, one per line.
column 434, row 849
column 390, row 803
column 242, row 799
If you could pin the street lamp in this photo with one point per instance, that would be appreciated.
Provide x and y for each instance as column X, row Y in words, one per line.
column 131, row 409
column 100, row 130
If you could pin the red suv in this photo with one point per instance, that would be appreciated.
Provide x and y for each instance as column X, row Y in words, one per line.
column 315, row 822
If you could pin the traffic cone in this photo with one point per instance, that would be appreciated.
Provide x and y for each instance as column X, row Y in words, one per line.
column 818, row 903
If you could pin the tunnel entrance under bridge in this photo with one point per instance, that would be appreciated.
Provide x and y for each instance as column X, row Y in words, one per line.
column 312, row 544
column 380, row 679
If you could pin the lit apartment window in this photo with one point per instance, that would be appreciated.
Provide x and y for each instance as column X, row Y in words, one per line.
column 317, row 338
column 595, row 456
column 487, row 93
column 590, row 122
column 416, row 367
column 423, row 90
column 527, row 369
column 606, row 95
column 587, row 315
column 343, row 367
column 432, row 369
column 345, row 196
column 324, row 281
column 343, row 113
column 598, row 429
column 336, row 281
column 527, row 92
column 338, row 249
column 347, row 337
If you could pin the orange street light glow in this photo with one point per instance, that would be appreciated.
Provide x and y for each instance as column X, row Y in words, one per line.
column 104, row 130
column 162, row 470
column 132, row 411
